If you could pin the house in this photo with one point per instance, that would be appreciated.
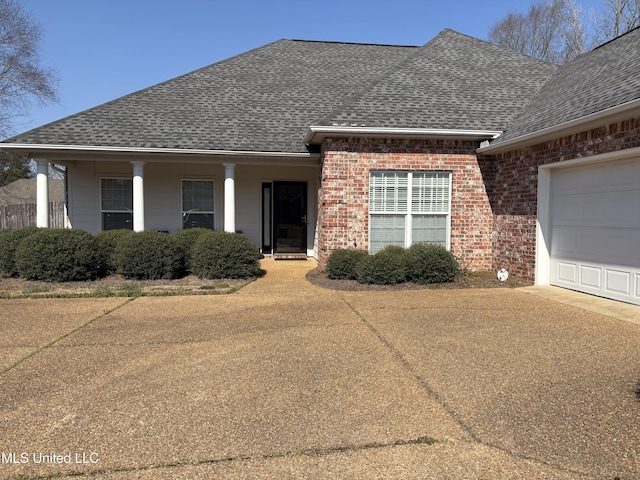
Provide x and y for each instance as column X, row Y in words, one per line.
column 23, row 191
column 307, row 147
column 18, row 207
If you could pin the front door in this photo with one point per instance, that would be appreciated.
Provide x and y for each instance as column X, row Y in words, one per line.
column 290, row 217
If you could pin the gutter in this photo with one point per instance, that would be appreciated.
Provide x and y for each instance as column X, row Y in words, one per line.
column 553, row 131
column 316, row 134
column 53, row 148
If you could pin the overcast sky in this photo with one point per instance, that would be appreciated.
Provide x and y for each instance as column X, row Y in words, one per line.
column 104, row 49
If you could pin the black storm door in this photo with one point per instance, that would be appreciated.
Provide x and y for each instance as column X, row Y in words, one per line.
column 290, row 217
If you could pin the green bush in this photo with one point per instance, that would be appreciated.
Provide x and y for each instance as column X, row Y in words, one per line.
column 58, row 255
column 342, row 263
column 389, row 266
column 148, row 256
column 185, row 240
column 432, row 264
column 107, row 241
column 9, row 242
column 225, row 255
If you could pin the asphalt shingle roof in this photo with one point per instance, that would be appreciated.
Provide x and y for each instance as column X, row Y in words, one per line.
column 452, row 82
column 267, row 98
column 595, row 81
column 262, row 100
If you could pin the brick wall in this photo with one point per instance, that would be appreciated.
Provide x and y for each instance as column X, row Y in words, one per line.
column 343, row 217
column 494, row 198
column 513, row 187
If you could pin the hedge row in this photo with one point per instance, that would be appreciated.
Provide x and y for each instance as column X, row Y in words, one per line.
column 420, row 263
column 61, row 255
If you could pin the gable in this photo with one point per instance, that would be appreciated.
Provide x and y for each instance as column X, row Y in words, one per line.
column 453, row 82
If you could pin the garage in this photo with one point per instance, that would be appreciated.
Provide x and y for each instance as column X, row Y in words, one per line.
column 595, row 229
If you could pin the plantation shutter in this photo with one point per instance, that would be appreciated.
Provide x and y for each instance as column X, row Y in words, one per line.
column 388, row 196
column 409, row 207
column 386, row 230
column 430, row 193
column 430, row 204
column 388, row 192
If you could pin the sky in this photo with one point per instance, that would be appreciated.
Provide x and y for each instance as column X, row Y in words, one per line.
column 102, row 50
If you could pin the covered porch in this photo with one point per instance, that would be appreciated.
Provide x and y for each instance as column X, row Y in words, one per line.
column 269, row 197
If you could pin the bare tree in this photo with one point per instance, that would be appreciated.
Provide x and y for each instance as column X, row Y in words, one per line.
column 533, row 33
column 23, row 80
column 555, row 30
column 574, row 35
column 551, row 30
column 617, row 17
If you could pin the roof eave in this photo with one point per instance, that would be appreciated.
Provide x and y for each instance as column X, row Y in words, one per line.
column 624, row 110
column 316, row 134
column 56, row 151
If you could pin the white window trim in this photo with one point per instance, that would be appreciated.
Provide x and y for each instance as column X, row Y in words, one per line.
column 103, row 211
column 410, row 214
column 199, row 212
column 543, row 218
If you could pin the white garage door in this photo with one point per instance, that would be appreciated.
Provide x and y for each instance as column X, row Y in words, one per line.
column 595, row 237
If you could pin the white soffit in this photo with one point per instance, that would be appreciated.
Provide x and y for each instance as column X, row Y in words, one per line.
column 316, row 134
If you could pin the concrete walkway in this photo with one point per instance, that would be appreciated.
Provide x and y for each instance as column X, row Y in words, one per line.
column 287, row 380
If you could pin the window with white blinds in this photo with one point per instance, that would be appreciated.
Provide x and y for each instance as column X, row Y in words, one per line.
column 409, row 207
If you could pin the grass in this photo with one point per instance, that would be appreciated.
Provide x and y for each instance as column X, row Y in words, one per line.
column 22, row 289
column 34, row 290
column 126, row 291
column 426, row 441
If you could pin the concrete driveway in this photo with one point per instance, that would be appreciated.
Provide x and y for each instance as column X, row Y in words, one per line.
column 286, row 380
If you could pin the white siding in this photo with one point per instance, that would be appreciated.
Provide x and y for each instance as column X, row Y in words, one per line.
column 162, row 190
column 84, row 197
column 249, row 181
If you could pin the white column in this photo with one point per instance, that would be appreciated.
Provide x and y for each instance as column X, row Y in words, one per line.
column 42, row 193
column 229, row 198
column 138, row 196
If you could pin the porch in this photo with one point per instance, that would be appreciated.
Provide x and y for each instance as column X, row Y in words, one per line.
column 272, row 201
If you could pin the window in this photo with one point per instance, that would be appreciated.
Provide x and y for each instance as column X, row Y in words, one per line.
column 116, row 203
column 197, row 204
column 409, row 207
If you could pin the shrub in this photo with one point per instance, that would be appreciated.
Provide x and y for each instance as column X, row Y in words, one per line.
column 225, row 255
column 107, row 241
column 148, row 256
column 432, row 264
column 58, row 255
column 389, row 266
column 185, row 239
column 342, row 263
column 9, row 242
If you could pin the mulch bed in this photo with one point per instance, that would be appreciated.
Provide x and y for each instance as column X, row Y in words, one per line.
column 464, row 280
column 118, row 286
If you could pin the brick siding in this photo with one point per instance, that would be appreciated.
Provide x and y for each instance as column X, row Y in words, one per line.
column 494, row 198
column 513, row 187
column 343, row 217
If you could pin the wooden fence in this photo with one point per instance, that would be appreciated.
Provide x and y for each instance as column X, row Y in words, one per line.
column 18, row 216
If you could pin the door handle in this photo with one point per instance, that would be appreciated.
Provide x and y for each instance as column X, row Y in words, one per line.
column 304, row 219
